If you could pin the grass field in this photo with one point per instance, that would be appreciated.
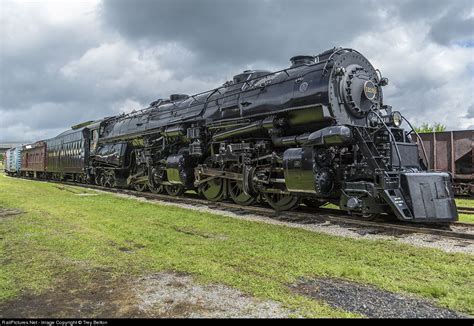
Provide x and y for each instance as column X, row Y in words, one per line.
column 62, row 235
column 465, row 203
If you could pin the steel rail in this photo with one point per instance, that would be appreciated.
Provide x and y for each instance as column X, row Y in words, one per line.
column 466, row 210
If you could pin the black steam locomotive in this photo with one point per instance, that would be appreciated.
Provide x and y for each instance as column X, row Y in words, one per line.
column 313, row 133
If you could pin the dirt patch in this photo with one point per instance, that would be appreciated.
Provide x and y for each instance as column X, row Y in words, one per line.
column 97, row 294
column 177, row 295
column 5, row 212
column 94, row 294
column 129, row 247
column 369, row 300
column 66, row 189
column 205, row 235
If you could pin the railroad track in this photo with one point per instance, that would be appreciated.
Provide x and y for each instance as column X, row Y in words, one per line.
column 466, row 210
column 304, row 215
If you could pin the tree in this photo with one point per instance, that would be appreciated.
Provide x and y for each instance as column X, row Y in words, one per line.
column 426, row 127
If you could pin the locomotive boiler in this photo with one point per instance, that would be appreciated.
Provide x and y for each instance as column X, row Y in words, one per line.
column 313, row 133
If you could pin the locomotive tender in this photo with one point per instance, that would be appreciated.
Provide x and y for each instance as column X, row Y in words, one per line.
column 313, row 133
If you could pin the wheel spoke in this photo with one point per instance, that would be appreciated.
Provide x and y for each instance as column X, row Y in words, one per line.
column 282, row 202
column 236, row 189
column 174, row 190
column 213, row 190
column 158, row 189
column 238, row 195
column 140, row 187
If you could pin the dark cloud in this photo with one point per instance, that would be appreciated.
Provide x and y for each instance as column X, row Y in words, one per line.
column 454, row 27
column 123, row 54
column 412, row 10
column 450, row 22
column 38, row 98
column 242, row 31
column 30, row 62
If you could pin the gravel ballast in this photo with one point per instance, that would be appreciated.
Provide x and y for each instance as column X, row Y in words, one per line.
column 370, row 301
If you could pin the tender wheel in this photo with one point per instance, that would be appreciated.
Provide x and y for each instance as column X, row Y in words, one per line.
column 82, row 178
column 99, row 179
column 281, row 202
column 174, row 190
column 313, row 202
column 213, row 190
column 140, row 187
column 89, row 179
column 236, row 192
column 108, row 179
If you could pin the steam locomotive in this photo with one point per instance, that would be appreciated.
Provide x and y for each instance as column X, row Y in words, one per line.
column 313, row 133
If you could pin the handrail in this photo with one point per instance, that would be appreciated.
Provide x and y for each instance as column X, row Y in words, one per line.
column 285, row 70
column 218, row 89
column 209, row 94
column 421, row 142
column 393, row 140
column 337, row 51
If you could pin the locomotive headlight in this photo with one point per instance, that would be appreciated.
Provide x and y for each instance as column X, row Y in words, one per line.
column 397, row 119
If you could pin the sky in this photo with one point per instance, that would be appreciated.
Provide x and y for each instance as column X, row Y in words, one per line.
column 66, row 62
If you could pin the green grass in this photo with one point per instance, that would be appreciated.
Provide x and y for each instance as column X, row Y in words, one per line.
column 61, row 233
column 465, row 203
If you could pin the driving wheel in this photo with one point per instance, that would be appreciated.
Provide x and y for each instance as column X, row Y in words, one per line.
column 213, row 189
column 282, row 202
column 174, row 190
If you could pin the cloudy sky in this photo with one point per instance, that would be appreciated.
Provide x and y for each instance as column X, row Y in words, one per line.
column 65, row 62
